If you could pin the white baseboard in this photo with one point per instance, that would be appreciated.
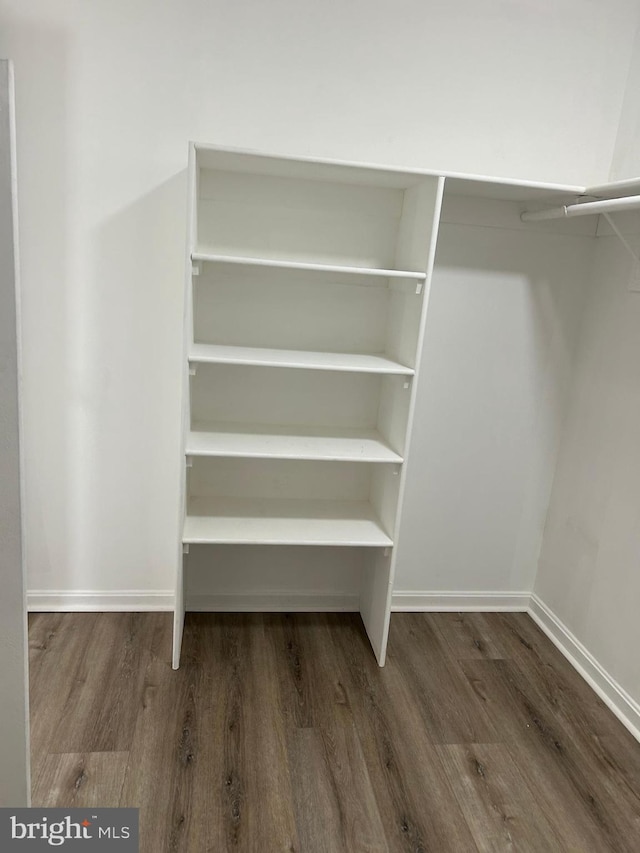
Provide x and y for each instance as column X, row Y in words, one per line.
column 626, row 709
column 69, row 601
column 275, row 602
column 487, row 602
column 55, row 600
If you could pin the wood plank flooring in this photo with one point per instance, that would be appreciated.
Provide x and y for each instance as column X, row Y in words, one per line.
column 281, row 733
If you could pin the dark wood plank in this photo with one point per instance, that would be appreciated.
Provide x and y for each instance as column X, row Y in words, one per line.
column 468, row 635
column 336, row 810
column 90, row 780
column 583, row 755
column 577, row 715
column 555, row 678
column 44, row 632
column 214, row 729
column 282, row 733
column 417, row 806
column 312, row 694
column 449, row 708
column 257, row 804
column 100, row 711
column 143, row 639
column 57, row 644
column 576, row 806
column 496, row 801
column 160, row 775
column 621, row 752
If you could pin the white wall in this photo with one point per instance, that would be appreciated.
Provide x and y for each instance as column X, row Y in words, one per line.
column 588, row 574
column 14, row 749
column 502, row 327
column 110, row 91
column 626, row 155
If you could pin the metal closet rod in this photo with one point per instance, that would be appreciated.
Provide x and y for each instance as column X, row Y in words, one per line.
column 607, row 205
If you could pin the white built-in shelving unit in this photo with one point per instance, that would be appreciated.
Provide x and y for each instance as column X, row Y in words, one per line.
column 307, row 285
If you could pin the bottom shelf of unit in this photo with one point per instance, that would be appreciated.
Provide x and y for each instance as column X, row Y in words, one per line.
column 256, row 521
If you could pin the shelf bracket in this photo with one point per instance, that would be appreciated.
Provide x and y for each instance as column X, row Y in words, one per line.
column 193, row 369
column 185, row 547
column 406, row 384
column 396, row 470
column 189, row 462
column 387, row 551
column 418, row 288
column 196, row 266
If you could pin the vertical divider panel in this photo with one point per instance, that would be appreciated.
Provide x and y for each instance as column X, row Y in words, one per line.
column 416, row 246
column 181, row 558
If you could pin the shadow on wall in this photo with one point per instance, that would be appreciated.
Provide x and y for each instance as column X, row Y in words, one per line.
column 126, row 332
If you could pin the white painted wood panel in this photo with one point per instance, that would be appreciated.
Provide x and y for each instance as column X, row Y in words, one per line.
column 187, row 322
column 393, row 410
column 281, row 522
column 324, row 169
column 404, row 313
column 297, row 359
column 281, row 442
column 276, row 574
column 14, row 695
column 416, row 222
column 385, row 490
column 375, row 600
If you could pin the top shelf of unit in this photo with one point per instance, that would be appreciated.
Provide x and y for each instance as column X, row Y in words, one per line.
column 270, row 263
column 344, row 171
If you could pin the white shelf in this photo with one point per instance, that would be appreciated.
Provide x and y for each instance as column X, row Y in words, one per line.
column 321, row 169
column 301, row 260
column 233, row 521
column 278, row 442
column 301, row 265
column 301, row 359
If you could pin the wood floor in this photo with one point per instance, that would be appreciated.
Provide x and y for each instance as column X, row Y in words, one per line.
column 280, row 733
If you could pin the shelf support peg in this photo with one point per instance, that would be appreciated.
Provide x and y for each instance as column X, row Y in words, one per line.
column 195, row 267
column 418, row 288
column 193, row 369
column 185, row 547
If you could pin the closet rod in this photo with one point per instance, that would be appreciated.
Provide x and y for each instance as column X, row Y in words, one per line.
column 588, row 207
